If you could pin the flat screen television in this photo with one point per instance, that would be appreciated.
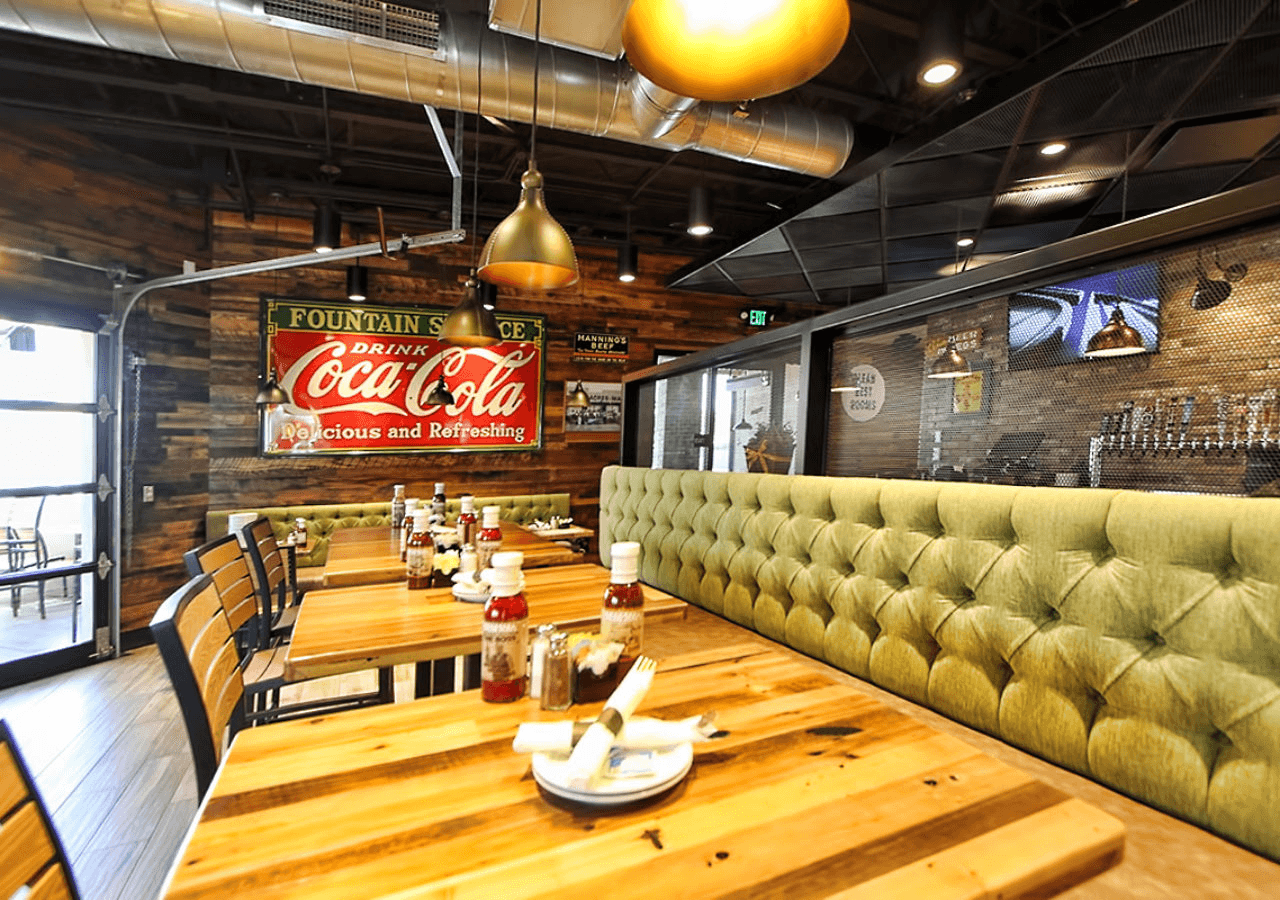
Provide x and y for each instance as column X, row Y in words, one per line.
column 1052, row 325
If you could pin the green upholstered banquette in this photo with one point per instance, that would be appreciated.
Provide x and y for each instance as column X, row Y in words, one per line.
column 324, row 519
column 1131, row 637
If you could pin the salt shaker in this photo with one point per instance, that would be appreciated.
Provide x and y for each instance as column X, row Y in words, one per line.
column 557, row 674
column 537, row 658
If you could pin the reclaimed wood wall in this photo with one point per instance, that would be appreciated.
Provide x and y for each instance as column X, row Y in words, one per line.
column 60, row 199
column 653, row 318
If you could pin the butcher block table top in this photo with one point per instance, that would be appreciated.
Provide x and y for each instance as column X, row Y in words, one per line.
column 814, row 790
column 372, row 555
column 348, row 629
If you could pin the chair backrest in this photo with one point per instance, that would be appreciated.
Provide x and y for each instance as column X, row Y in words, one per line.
column 31, row 855
column 224, row 561
column 271, row 571
column 198, row 648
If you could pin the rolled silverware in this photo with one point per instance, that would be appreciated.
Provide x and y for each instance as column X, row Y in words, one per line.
column 636, row 734
column 591, row 750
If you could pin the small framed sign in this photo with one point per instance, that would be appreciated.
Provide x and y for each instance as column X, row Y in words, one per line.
column 592, row 346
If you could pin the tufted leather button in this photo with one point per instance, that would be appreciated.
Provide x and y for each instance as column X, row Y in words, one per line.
column 1156, row 639
column 1052, row 614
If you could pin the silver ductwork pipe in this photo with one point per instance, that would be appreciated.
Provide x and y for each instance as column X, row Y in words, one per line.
column 578, row 93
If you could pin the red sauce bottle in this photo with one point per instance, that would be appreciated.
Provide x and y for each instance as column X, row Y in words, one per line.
column 420, row 555
column 622, row 612
column 466, row 523
column 504, row 632
column 488, row 539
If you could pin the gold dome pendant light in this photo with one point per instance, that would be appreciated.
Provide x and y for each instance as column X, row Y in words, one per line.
column 529, row 249
column 716, row 50
column 1116, row 338
column 950, row 363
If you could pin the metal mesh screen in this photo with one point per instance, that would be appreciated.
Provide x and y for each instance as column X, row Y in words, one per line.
column 388, row 21
column 1196, row 410
column 732, row 418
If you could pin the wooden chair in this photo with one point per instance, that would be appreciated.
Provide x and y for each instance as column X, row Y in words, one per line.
column 261, row 659
column 278, row 595
column 199, row 652
column 33, row 862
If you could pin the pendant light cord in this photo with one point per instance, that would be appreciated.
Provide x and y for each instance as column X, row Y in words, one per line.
column 475, row 179
column 537, row 55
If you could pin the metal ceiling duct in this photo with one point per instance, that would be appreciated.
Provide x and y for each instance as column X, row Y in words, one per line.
column 385, row 50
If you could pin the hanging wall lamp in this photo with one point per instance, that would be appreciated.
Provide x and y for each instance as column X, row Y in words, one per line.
column 699, row 223
column 439, row 394
column 326, row 228
column 714, row 50
column 949, row 364
column 529, row 249
column 941, row 43
column 357, row 283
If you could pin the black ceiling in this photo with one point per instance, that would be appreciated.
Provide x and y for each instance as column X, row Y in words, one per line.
column 1159, row 105
column 1183, row 96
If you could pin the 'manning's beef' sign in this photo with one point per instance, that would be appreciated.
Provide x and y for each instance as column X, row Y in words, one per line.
column 358, row 380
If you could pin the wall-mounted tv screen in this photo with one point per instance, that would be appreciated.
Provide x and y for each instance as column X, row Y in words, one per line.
column 1052, row 325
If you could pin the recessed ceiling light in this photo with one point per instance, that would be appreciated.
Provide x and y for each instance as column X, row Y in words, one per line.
column 965, row 242
column 1053, row 149
column 940, row 72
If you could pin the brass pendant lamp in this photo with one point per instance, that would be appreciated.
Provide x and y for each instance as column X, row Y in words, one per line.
column 950, row 363
column 578, row 398
column 715, row 50
column 529, row 249
column 1116, row 338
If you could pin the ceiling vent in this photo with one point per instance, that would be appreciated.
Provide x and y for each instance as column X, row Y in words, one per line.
column 369, row 18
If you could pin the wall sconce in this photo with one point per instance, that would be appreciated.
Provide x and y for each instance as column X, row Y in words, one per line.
column 950, row 363
column 357, row 283
column 439, row 394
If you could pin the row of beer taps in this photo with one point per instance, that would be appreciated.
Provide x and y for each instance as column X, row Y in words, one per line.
column 1241, row 422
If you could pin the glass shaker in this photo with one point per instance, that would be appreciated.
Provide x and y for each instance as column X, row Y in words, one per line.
column 557, row 674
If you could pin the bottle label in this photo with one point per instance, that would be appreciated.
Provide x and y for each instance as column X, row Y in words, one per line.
column 484, row 553
column 623, row 626
column 418, row 561
column 504, row 650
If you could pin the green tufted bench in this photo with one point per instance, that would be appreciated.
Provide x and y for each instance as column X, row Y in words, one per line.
column 324, row 519
column 1131, row 637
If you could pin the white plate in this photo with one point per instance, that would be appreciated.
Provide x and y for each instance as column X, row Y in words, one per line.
column 663, row 769
column 467, row 596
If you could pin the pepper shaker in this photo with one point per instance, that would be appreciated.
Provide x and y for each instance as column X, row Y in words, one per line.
column 557, row 674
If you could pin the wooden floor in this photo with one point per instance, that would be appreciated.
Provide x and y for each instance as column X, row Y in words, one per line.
column 110, row 756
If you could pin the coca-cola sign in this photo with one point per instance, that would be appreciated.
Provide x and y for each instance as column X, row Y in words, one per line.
column 359, row 380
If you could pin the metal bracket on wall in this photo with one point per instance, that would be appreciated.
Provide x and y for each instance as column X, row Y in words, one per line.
column 105, row 565
column 105, row 409
column 105, row 489
column 102, row 648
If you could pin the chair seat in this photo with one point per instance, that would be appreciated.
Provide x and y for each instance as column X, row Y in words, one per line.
column 284, row 622
column 264, row 670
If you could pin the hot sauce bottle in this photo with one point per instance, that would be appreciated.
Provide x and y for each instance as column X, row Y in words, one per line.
column 410, row 510
column 622, row 612
column 488, row 538
column 419, row 555
column 504, row 632
column 467, row 521
column 438, row 505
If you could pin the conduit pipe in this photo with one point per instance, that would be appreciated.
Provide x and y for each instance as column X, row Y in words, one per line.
column 580, row 93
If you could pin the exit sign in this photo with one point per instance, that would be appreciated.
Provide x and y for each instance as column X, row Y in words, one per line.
column 756, row 318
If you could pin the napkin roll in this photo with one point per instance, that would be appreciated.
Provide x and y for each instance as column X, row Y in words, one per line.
column 590, row 752
column 636, row 734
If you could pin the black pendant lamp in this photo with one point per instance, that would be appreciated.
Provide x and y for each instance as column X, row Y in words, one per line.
column 270, row 393
column 439, row 395
column 628, row 262
column 699, row 223
column 950, row 363
column 357, row 283
column 326, row 228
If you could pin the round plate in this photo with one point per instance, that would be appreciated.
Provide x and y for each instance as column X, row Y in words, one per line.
column 665, row 769
column 470, row 596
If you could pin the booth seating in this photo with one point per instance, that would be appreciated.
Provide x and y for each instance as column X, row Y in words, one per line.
column 324, row 519
column 1131, row 637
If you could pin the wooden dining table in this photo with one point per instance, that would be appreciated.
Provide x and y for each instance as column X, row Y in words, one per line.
column 372, row 555
column 348, row 629
column 810, row 788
